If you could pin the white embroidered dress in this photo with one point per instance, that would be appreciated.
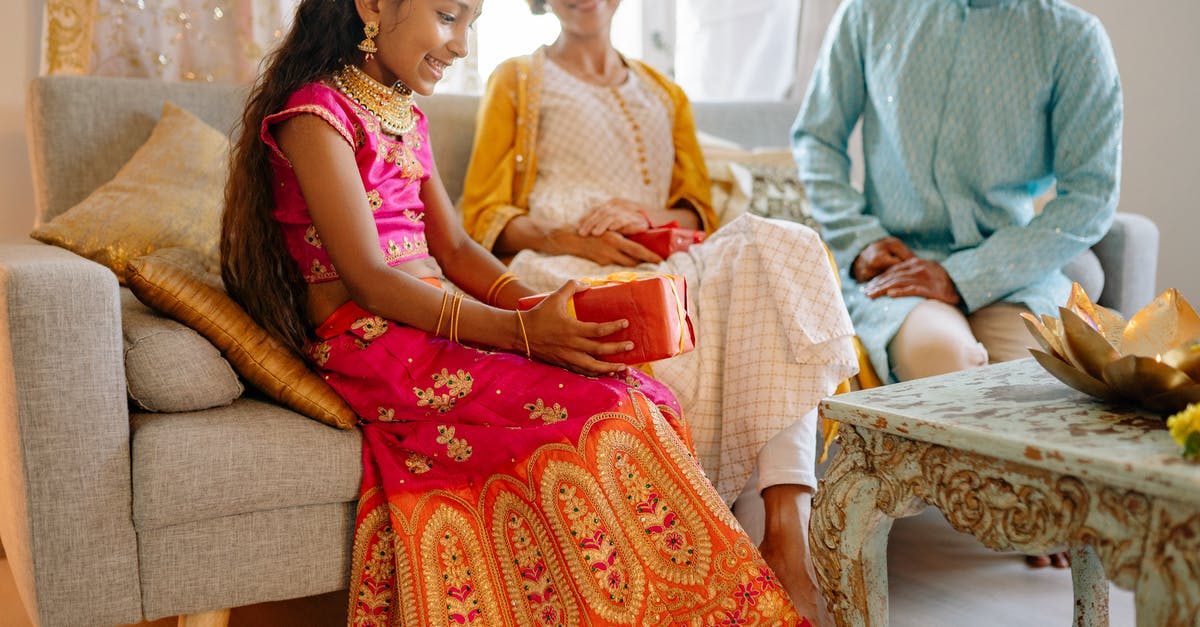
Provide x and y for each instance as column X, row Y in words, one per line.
column 772, row 334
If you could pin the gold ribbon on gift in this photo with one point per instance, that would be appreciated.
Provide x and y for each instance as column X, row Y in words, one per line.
column 629, row 276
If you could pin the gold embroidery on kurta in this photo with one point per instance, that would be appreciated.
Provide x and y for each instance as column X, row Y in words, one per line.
column 374, row 199
column 371, row 327
column 373, row 568
column 458, row 448
column 417, row 463
column 548, row 415
column 310, row 236
column 319, row 353
column 457, row 385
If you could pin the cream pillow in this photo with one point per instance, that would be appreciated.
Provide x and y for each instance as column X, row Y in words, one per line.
column 762, row 181
column 168, row 194
column 174, row 281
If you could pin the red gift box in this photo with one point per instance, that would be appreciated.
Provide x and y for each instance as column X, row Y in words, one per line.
column 654, row 304
column 667, row 239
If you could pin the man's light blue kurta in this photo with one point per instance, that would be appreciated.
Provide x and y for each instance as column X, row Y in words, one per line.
column 971, row 109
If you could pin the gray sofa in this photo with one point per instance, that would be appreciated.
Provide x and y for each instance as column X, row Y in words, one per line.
column 111, row 515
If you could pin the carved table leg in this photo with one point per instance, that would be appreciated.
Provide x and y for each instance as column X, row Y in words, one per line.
column 1168, row 587
column 1091, row 588
column 848, row 539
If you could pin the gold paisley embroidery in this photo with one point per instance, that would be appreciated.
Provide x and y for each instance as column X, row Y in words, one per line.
column 402, row 156
column 319, row 353
column 387, row 414
column 417, row 463
column 373, row 569
column 413, row 139
column 457, row 386
column 361, row 344
column 687, row 463
column 455, row 565
column 590, row 538
column 371, row 326
column 458, row 448
column 548, row 415
column 660, row 517
column 533, row 571
column 374, row 199
column 310, row 236
column 414, row 216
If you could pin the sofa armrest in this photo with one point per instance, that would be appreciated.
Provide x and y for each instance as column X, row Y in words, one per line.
column 1129, row 255
column 65, row 496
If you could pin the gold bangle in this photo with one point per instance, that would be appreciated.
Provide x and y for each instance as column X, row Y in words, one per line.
column 457, row 307
column 500, row 289
column 498, row 284
column 524, row 335
column 441, row 312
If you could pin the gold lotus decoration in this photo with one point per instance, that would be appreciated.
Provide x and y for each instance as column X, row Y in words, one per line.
column 1152, row 360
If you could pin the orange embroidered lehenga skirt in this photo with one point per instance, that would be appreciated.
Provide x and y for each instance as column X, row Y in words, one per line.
column 500, row 491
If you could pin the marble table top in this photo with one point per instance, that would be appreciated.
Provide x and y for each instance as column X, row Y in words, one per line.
column 1016, row 411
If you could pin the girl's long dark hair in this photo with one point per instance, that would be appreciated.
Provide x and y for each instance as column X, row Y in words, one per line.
column 256, row 267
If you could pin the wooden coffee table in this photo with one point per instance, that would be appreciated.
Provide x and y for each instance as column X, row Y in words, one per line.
column 1023, row 463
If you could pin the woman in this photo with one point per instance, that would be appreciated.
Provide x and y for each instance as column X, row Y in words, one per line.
column 577, row 147
column 499, row 487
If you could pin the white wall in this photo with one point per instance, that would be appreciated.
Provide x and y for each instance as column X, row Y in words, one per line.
column 1157, row 45
column 18, row 48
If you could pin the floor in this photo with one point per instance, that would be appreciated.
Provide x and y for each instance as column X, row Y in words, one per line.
column 938, row 578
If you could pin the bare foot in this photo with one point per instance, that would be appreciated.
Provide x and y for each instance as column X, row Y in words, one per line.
column 785, row 548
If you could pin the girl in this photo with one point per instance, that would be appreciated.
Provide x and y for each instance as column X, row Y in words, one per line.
column 509, row 476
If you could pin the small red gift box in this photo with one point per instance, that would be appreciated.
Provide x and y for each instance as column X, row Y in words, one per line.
column 668, row 238
column 654, row 304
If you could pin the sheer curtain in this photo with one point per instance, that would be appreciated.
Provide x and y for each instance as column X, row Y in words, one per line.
column 749, row 49
column 185, row 40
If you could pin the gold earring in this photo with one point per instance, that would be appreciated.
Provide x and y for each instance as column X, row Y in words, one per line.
column 370, row 29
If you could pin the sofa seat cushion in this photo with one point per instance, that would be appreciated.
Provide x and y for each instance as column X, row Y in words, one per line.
column 169, row 367
column 250, row 456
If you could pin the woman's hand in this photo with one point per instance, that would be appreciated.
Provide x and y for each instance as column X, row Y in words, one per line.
column 615, row 214
column 558, row 338
column 607, row 248
column 879, row 256
column 915, row 277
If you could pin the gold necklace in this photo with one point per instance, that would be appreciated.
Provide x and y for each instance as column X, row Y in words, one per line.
column 393, row 106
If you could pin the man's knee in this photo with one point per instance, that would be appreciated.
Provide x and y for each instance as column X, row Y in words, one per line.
column 934, row 339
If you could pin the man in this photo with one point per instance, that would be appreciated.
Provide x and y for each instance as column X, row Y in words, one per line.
column 970, row 110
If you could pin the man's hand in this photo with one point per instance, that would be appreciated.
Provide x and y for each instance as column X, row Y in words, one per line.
column 879, row 256
column 915, row 277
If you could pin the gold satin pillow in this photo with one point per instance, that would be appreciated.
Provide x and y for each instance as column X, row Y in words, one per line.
column 175, row 282
column 169, row 193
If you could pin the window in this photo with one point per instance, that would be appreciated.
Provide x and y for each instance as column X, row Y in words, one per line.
column 507, row 29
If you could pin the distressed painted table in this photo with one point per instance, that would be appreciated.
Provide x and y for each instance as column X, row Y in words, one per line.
column 1023, row 463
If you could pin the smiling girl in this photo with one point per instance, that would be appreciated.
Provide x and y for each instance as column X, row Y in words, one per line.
column 510, row 477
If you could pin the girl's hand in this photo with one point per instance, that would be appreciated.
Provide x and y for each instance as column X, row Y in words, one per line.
column 607, row 248
column 614, row 214
column 557, row 338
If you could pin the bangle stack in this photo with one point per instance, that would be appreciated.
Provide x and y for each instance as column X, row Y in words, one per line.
column 455, row 312
column 493, row 293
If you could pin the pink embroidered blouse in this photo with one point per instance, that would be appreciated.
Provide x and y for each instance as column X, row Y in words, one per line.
column 392, row 171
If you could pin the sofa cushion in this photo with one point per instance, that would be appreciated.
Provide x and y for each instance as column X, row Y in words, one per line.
column 169, row 367
column 168, row 194
column 762, row 181
column 250, row 456
column 174, row 282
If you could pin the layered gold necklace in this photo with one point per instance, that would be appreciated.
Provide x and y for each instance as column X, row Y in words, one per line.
column 393, row 106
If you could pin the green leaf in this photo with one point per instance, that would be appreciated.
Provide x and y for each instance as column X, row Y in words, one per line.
column 1191, row 448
